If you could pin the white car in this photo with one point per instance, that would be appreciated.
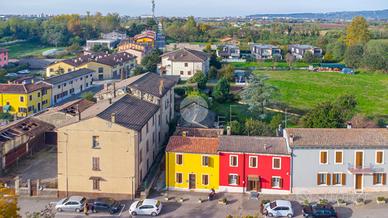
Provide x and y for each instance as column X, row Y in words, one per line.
column 73, row 203
column 146, row 207
column 278, row 208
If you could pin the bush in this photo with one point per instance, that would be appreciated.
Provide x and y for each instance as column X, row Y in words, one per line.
column 323, row 201
column 380, row 198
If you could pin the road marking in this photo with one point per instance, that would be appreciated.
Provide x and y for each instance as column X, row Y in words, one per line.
column 123, row 205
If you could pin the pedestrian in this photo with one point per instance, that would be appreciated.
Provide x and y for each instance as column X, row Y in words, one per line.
column 86, row 209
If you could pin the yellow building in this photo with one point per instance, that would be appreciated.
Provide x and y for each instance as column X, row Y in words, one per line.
column 24, row 99
column 146, row 37
column 106, row 66
column 192, row 163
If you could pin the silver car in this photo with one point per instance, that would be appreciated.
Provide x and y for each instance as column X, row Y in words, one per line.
column 73, row 203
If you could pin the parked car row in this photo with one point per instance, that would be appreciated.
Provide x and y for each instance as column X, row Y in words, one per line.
column 282, row 208
column 77, row 204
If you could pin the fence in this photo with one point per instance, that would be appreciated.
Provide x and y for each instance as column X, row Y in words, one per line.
column 42, row 188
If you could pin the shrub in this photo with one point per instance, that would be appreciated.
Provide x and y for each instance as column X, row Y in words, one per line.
column 323, row 201
column 380, row 198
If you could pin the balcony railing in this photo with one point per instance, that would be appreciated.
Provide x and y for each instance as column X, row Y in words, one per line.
column 365, row 169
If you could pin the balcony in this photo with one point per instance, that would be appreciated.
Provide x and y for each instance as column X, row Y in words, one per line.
column 367, row 169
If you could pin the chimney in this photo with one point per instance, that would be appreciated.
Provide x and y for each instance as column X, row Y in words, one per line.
column 228, row 130
column 291, row 139
column 113, row 117
column 349, row 126
column 184, row 134
column 161, row 87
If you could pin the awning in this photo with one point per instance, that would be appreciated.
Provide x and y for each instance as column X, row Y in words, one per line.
column 253, row 178
column 96, row 178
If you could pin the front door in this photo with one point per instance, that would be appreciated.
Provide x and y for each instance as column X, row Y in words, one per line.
column 253, row 185
column 192, row 181
column 359, row 159
column 358, row 182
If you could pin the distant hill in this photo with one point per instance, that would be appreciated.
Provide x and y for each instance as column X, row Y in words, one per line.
column 345, row 15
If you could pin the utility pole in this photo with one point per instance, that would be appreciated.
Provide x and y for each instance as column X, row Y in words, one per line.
column 153, row 9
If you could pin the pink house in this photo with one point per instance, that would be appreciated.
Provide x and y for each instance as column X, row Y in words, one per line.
column 3, row 57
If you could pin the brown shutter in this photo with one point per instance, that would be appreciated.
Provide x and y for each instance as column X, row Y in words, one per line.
column 328, row 179
column 384, row 178
column 374, row 179
column 343, row 178
column 318, row 179
column 334, row 179
column 379, row 157
column 281, row 183
column 238, row 180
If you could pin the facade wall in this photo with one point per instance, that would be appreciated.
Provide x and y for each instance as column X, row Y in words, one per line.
column 117, row 157
column 60, row 67
column 306, row 166
column 180, row 69
column 264, row 171
column 31, row 102
column 192, row 164
column 3, row 57
column 65, row 89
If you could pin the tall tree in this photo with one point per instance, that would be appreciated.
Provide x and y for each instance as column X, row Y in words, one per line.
column 8, row 202
column 290, row 59
column 353, row 56
column 221, row 90
column 257, row 94
column 357, row 32
column 151, row 60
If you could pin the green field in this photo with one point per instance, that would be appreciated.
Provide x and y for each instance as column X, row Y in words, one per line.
column 303, row 89
column 22, row 49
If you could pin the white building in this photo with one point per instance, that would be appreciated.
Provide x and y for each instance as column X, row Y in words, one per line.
column 68, row 84
column 184, row 63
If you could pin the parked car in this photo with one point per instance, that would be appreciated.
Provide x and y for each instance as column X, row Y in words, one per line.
column 104, row 205
column 146, row 207
column 73, row 203
column 278, row 208
column 319, row 211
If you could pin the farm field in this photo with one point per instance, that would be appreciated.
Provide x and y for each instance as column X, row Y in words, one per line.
column 304, row 89
column 22, row 49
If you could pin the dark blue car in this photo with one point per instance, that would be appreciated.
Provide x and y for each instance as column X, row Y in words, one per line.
column 107, row 205
column 319, row 211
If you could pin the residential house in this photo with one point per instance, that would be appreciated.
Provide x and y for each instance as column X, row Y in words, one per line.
column 228, row 51
column 3, row 57
column 105, row 66
column 158, row 90
column 264, row 52
column 21, row 138
column 114, row 35
column 68, row 84
column 108, row 152
column 106, row 43
column 338, row 160
column 259, row 164
column 184, row 63
column 22, row 100
column 300, row 50
column 136, row 49
column 192, row 163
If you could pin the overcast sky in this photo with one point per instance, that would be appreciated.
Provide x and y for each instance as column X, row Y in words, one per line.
column 208, row 8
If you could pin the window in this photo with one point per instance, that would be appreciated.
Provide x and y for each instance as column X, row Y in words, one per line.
column 379, row 157
column 186, row 64
column 379, row 178
column 276, row 182
column 252, row 162
column 21, row 98
column 233, row 179
column 179, row 159
column 338, row 157
column 205, row 179
column 22, row 110
column 51, row 70
column 100, row 70
column 59, row 86
column 323, row 179
column 323, row 157
column 205, row 161
column 147, row 128
column 96, row 142
column 96, row 164
column 38, row 94
column 96, row 184
column 30, row 97
column 140, row 156
column 233, row 160
column 181, row 72
column 276, row 163
column 189, row 73
column 178, row 178
column 147, row 149
column 339, row 178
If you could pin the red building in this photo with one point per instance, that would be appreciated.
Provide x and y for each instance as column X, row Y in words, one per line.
column 259, row 164
column 3, row 57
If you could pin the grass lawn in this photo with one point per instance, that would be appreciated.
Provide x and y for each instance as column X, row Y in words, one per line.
column 303, row 89
column 23, row 49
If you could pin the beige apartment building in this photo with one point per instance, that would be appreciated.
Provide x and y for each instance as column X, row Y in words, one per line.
column 108, row 152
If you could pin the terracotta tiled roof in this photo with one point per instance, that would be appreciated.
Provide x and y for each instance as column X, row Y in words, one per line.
column 22, row 88
column 198, row 145
column 253, row 144
column 114, row 59
column 363, row 137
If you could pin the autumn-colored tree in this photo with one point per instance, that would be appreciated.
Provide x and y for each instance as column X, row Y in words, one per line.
column 357, row 32
column 8, row 203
